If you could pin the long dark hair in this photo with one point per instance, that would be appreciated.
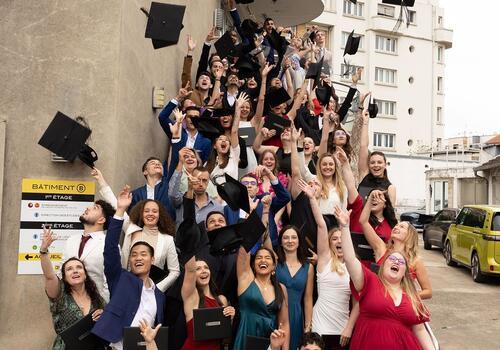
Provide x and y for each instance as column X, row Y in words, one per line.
column 301, row 255
column 278, row 292
column 331, row 143
column 211, row 286
column 378, row 153
column 212, row 159
column 90, row 286
column 388, row 212
column 165, row 223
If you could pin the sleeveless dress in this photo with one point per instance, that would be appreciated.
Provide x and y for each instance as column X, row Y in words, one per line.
column 295, row 287
column 331, row 311
column 256, row 318
column 190, row 343
column 381, row 324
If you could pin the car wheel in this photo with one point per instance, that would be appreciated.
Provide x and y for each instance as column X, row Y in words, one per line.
column 447, row 254
column 477, row 275
column 427, row 245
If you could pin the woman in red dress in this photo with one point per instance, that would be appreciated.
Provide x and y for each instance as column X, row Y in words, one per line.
column 199, row 291
column 391, row 311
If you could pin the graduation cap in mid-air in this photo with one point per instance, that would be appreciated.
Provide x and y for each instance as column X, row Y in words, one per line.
column 372, row 109
column 317, row 70
column 404, row 9
column 164, row 23
column 234, row 193
column 351, row 48
column 67, row 138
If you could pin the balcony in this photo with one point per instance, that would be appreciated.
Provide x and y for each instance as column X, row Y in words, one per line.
column 444, row 37
column 383, row 24
column 285, row 13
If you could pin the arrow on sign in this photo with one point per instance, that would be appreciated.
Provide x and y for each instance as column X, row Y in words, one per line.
column 28, row 257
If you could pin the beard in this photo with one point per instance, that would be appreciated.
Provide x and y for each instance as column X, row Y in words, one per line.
column 85, row 221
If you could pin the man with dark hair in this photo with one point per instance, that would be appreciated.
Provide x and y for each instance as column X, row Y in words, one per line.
column 89, row 246
column 134, row 296
column 156, row 186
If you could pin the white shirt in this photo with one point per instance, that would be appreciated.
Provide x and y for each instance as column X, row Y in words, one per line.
column 146, row 310
column 150, row 191
column 191, row 140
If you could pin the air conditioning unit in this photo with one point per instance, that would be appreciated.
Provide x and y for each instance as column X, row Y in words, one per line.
column 219, row 21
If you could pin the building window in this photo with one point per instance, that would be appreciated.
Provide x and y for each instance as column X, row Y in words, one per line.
column 440, row 21
column 440, row 52
column 353, row 9
column 329, row 5
column 412, row 16
column 345, row 35
column 385, row 44
column 383, row 140
column 385, row 76
column 439, row 115
column 440, row 84
column 386, row 108
column 440, row 195
column 384, row 10
column 348, row 71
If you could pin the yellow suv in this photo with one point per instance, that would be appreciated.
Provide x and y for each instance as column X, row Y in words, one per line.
column 474, row 241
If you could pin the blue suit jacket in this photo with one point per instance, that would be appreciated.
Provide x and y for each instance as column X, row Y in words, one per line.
column 281, row 198
column 161, row 195
column 202, row 145
column 125, row 291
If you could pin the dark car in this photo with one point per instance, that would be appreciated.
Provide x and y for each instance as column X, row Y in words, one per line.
column 435, row 232
column 417, row 219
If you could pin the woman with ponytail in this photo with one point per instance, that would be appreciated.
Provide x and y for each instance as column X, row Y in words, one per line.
column 263, row 300
column 200, row 291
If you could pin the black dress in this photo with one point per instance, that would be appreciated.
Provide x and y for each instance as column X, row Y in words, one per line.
column 370, row 183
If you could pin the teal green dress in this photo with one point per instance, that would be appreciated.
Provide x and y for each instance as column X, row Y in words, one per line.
column 256, row 318
column 295, row 287
column 65, row 312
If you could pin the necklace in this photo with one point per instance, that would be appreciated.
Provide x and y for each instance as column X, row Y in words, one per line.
column 264, row 288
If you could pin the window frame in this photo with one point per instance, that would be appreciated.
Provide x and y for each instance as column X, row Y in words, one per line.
column 385, row 139
column 379, row 38
column 386, row 71
column 358, row 7
column 383, row 106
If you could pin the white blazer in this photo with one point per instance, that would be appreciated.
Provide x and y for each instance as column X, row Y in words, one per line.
column 93, row 258
column 164, row 251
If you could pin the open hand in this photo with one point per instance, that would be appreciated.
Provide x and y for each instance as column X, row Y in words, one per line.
column 309, row 191
column 342, row 216
column 124, row 198
column 47, row 238
column 147, row 332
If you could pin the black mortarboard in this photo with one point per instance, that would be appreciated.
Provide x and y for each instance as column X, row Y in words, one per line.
column 157, row 274
column 251, row 230
column 407, row 3
column 323, row 94
column 222, row 112
column 66, row 137
column 207, row 126
column 372, row 109
column 277, row 96
column 164, row 24
column 234, row 193
column 352, row 44
column 225, row 46
column 249, row 28
column 188, row 239
column 78, row 336
column 244, row 1
column 247, row 67
column 275, row 122
column 224, row 240
column 278, row 42
column 314, row 72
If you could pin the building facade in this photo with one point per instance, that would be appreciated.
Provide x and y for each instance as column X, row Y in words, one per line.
column 404, row 70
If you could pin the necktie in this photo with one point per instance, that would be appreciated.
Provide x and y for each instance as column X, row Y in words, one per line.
column 82, row 244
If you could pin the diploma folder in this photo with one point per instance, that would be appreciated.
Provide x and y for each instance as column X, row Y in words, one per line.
column 257, row 343
column 133, row 340
column 78, row 336
column 211, row 324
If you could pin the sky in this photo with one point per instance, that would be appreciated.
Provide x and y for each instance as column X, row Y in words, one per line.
column 472, row 74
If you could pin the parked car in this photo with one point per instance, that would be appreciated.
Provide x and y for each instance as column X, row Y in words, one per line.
column 417, row 219
column 474, row 241
column 435, row 231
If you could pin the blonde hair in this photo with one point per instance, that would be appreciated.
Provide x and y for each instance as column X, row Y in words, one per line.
column 410, row 244
column 407, row 286
column 336, row 265
column 337, row 179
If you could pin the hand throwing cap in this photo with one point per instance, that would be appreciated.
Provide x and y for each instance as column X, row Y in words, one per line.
column 164, row 24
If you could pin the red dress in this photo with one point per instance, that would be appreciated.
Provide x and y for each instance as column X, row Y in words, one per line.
column 381, row 324
column 190, row 343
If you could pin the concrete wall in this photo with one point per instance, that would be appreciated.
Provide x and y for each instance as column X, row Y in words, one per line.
column 85, row 58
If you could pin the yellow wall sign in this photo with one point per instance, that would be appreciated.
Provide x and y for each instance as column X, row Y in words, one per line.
column 58, row 186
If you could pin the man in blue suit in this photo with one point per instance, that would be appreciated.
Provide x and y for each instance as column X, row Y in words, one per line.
column 280, row 199
column 133, row 295
column 156, row 186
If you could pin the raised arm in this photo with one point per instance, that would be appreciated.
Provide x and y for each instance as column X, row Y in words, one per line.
column 353, row 265
column 287, row 65
column 259, row 138
column 347, row 175
column 51, row 281
column 294, row 159
column 205, row 51
column 266, row 204
column 243, row 270
column 259, row 110
column 298, row 100
column 188, row 291
column 363, row 145
column 325, row 131
column 371, row 236
column 188, row 61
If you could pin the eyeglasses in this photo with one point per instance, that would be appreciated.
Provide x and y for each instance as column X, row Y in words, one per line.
column 395, row 259
column 339, row 132
column 246, row 183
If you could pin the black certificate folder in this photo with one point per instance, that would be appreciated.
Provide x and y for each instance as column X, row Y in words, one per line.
column 78, row 336
column 211, row 324
column 133, row 340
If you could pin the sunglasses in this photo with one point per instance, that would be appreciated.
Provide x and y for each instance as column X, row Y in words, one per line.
column 246, row 183
column 395, row 259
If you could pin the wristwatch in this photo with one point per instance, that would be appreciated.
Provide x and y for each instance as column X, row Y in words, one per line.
column 46, row 251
